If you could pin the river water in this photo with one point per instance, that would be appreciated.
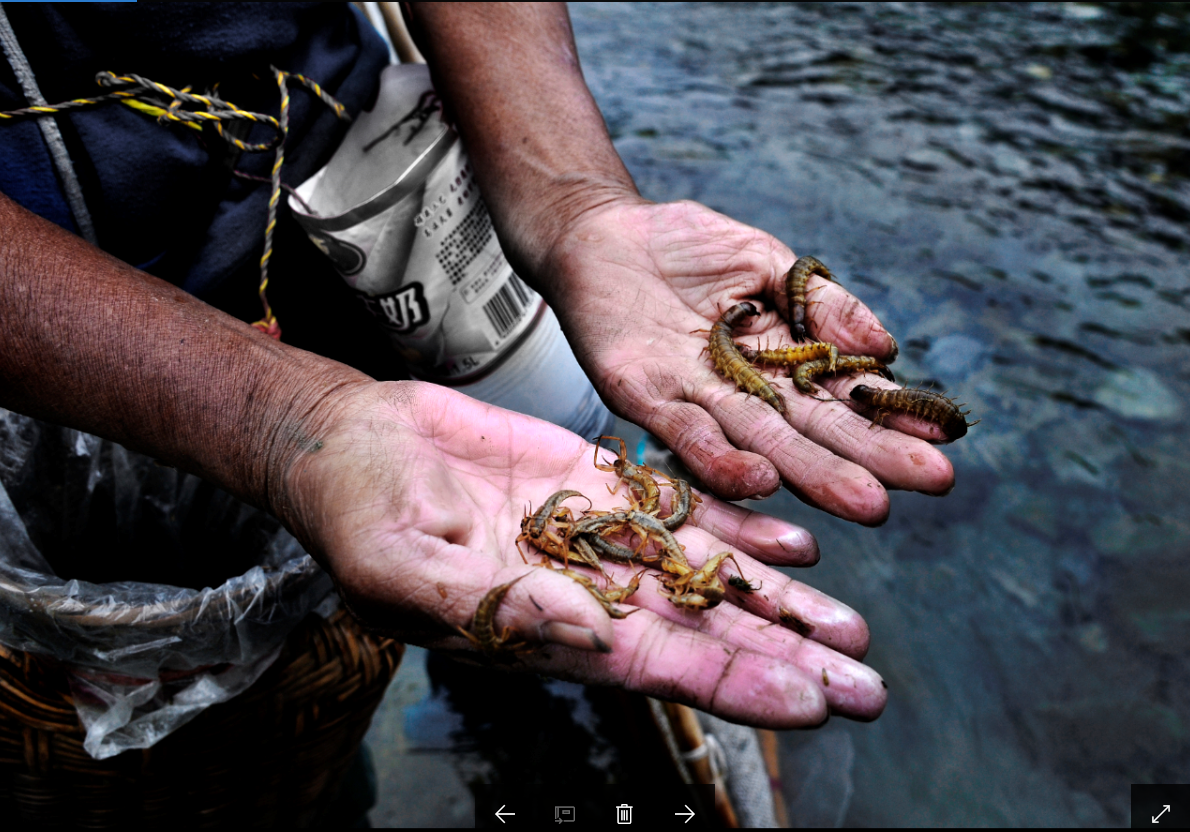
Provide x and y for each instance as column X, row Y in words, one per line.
column 1006, row 186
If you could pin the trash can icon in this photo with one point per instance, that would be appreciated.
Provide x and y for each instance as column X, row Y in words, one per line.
column 623, row 814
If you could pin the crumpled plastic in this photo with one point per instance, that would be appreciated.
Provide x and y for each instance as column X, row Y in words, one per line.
column 142, row 658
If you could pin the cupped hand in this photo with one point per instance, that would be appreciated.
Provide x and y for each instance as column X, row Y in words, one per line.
column 412, row 496
column 637, row 285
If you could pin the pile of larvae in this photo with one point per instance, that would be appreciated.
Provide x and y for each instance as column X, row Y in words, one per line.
column 589, row 540
column 810, row 359
column 646, row 538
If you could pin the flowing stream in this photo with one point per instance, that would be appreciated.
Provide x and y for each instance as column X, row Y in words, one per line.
column 1006, row 186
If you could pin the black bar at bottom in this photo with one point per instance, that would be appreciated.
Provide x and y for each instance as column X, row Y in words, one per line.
column 594, row 807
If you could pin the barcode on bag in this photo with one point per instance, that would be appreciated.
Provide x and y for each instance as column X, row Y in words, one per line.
column 507, row 306
column 461, row 246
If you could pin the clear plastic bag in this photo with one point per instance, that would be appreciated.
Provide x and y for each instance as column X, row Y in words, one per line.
column 142, row 658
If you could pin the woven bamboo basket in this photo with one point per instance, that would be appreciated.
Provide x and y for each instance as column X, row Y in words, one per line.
column 273, row 756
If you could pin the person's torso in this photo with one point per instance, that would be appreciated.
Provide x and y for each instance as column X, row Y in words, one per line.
column 160, row 197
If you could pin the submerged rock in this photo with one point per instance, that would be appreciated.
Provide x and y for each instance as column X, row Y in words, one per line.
column 1138, row 394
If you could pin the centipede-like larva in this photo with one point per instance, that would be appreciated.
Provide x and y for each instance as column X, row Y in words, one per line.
column 795, row 291
column 804, row 375
column 790, row 357
column 731, row 365
column 679, row 508
column 924, row 404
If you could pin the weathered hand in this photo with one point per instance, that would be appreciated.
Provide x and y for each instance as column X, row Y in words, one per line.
column 412, row 496
column 636, row 286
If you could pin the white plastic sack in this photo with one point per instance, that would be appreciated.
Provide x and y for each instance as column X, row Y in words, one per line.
column 142, row 658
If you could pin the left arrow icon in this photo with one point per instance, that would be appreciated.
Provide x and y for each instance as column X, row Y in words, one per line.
column 500, row 813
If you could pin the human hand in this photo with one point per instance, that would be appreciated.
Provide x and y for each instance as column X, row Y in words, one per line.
column 412, row 495
column 636, row 285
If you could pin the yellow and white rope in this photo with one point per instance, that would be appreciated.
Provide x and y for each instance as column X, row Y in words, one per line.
column 174, row 106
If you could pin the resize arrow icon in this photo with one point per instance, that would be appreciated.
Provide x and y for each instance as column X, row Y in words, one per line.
column 1162, row 812
column 500, row 814
column 688, row 816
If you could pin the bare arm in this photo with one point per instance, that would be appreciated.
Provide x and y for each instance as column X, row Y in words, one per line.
column 91, row 342
column 411, row 495
column 510, row 75
column 633, row 282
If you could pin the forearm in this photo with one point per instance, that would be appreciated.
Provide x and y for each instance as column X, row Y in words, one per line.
column 90, row 342
column 509, row 74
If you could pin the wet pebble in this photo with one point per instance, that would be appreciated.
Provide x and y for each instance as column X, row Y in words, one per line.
column 1138, row 394
column 925, row 160
column 1093, row 638
column 1056, row 99
column 1083, row 11
column 1006, row 161
column 954, row 357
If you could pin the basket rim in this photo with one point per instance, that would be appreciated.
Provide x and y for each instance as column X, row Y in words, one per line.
column 98, row 606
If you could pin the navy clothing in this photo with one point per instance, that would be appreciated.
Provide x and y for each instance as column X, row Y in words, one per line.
column 162, row 197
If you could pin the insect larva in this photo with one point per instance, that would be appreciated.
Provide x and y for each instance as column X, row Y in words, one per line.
column 683, row 501
column 483, row 624
column 731, row 365
column 549, row 511
column 795, row 291
column 649, row 527
column 803, row 377
column 740, row 583
column 599, row 595
column 790, row 357
column 639, row 477
column 610, row 549
column 924, row 404
column 583, row 553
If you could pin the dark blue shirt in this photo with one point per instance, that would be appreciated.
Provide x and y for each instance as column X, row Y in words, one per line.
column 159, row 197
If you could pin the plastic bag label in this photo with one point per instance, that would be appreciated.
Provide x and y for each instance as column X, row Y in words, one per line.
column 400, row 312
column 398, row 211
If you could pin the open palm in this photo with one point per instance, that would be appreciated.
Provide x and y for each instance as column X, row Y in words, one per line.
column 644, row 282
column 412, row 497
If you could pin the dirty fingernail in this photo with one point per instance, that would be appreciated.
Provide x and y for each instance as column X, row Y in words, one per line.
column 572, row 635
column 800, row 542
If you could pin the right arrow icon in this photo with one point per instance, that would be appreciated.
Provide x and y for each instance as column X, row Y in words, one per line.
column 1162, row 812
column 689, row 813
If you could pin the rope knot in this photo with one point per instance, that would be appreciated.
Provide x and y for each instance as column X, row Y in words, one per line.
column 183, row 107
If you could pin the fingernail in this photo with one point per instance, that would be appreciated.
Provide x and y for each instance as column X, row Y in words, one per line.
column 572, row 635
column 799, row 541
column 769, row 490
